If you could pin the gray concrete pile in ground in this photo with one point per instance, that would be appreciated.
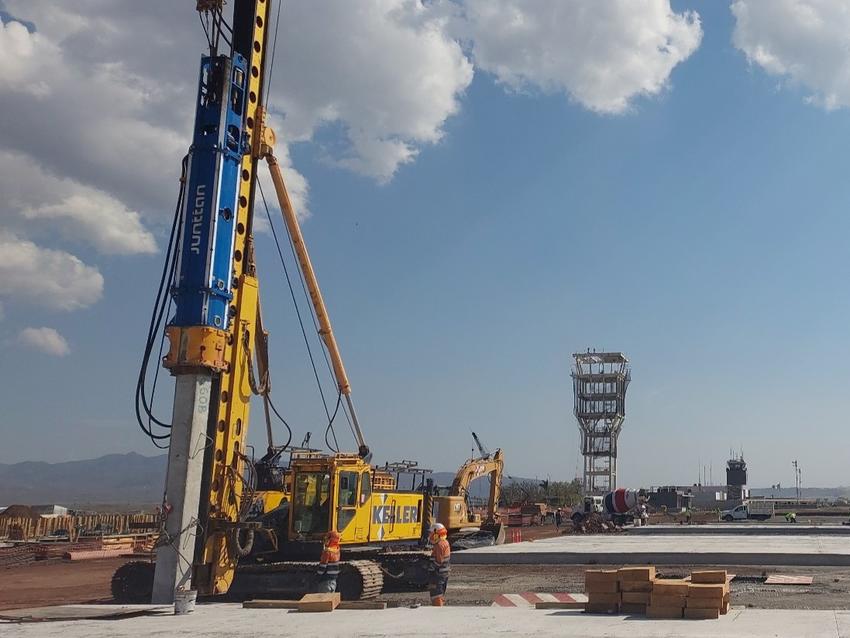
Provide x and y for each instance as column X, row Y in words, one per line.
column 472, row 622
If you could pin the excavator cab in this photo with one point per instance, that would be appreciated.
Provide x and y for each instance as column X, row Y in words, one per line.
column 311, row 504
column 344, row 493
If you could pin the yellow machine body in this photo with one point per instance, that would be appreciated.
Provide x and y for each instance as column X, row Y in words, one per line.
column 453, row 509
column 344, row 493
column 454, row 513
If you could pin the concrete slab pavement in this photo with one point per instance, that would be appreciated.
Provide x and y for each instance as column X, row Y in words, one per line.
column 683, row 549
column 233, row 621
column 742, row 529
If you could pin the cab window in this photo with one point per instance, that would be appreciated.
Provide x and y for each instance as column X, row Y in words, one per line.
column 348, row 489
column 347, row 499
column 365, row 487
column 311, row 503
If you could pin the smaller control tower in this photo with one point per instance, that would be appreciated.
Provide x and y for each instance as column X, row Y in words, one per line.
column 600, row 380
column 736, row 478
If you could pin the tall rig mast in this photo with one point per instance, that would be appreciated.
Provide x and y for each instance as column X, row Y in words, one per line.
column 600, row 380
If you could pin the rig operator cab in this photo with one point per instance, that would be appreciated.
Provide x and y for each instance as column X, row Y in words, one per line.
column 343, row 493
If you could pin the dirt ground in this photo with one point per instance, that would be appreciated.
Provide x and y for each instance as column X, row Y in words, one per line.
column 62, row 582
column 57, row 582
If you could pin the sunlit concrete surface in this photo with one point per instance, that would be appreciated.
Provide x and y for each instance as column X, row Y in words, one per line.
column 683, row 549
column 743, row 529
column 234, row 621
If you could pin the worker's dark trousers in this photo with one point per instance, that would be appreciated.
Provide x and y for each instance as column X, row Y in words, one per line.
column 438, row 585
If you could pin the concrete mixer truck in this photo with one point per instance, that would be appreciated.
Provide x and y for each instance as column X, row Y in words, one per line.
column 619, row 507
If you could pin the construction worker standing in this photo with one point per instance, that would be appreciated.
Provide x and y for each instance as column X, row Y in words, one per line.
column 328, row 569
column 440, row 564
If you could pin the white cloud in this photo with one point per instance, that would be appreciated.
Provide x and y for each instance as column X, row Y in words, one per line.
column 46, row 340
column 22, row 55
column 371, row 82
column 99, row 218
column 41, row 203
column 102, row 124
column 601, row 54
column 49, row 278
column 804, row 41
column 386, row 72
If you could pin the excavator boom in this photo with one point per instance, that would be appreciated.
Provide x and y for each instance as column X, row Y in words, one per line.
column 325, row 330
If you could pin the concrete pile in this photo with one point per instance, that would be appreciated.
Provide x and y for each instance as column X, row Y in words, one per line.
column 636, row 590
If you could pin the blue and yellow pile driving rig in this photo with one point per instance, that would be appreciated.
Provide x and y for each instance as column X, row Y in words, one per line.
column 230, row 524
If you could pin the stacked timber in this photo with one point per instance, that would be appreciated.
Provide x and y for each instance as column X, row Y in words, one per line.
column 635, row 588
column 708, row 595
column 603, row 591
column 704, row 595
column 668, row 599
column 314, row 603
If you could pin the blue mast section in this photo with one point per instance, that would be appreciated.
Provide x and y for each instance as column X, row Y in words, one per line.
column 202, row 290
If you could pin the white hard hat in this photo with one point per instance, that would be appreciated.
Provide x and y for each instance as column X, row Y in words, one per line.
column 437, row 526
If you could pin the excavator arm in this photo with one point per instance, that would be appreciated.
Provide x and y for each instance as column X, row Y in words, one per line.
column 474, row 469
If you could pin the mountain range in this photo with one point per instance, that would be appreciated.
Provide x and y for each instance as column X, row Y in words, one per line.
column 120, row 479
column 114, row 478
column 133, row 479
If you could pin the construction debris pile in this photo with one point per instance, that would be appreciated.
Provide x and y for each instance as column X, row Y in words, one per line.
column 595, row 523
column 636, row 590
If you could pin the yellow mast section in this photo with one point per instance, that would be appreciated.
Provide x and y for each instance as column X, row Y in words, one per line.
column 218, row 559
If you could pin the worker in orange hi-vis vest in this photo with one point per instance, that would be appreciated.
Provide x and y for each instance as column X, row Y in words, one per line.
column 440, row 564
column 328, row 569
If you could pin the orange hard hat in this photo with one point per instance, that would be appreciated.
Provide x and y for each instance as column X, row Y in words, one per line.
column 333, row 536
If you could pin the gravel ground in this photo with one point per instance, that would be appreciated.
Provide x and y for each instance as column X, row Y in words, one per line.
column 480, row 584
column 61, row 582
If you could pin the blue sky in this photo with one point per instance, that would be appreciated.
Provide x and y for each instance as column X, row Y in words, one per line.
column 702, row 231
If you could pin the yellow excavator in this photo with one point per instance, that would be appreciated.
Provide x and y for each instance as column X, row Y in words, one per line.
column 230, row 525
column 453, row 507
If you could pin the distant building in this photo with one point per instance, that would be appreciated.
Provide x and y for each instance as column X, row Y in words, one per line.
column 709, row 497
column 702, row 497
column 50, row 510
column 669, row 497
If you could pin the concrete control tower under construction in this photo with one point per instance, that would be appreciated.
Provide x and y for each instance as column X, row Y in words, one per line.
column 600, row 380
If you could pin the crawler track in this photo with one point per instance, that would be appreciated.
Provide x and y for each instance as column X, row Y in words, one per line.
column 358, row 579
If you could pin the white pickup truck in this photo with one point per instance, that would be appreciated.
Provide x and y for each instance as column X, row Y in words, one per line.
column 759, row 510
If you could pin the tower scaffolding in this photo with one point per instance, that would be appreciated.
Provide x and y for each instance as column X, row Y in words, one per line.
column 600, row 380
